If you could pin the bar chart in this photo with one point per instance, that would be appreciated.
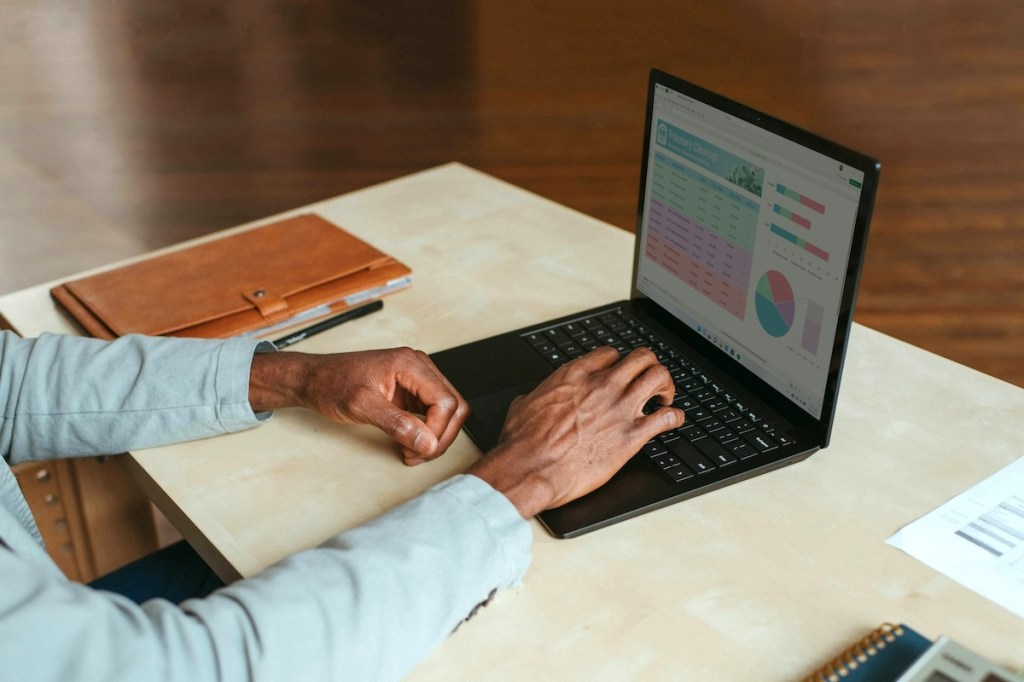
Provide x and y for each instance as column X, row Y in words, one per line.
column 798, row 241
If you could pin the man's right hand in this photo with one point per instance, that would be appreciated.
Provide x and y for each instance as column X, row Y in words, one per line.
column 575, row 430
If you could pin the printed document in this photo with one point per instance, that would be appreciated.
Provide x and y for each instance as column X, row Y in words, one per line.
column 977, row 538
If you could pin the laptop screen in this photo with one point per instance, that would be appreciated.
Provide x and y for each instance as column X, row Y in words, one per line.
column 746, row 237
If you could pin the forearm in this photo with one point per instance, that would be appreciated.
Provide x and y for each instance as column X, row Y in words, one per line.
column 368, row 605
column 65, row 396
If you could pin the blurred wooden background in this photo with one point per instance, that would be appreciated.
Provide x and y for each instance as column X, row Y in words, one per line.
column 127, row 125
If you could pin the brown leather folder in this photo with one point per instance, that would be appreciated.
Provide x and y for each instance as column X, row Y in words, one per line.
column 257, row 282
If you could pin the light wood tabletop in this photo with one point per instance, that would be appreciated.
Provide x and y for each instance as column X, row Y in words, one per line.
column 766, row 579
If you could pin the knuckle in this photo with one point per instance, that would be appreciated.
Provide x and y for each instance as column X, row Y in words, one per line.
column 647, row 354
column 405, row 353
column 575, row 373
column 447, row 404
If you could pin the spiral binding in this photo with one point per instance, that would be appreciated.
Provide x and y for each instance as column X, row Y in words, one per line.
column 853, row 657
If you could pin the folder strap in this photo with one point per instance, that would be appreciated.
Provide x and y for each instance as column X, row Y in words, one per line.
column 270, row 306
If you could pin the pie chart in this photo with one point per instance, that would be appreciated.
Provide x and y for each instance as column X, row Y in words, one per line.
column 773, row 301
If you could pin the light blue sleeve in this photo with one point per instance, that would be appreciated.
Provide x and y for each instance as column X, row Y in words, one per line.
column 367, row 605
column 63, row 396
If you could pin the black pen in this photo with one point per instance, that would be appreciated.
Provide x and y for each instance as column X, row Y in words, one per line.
column 330, row 323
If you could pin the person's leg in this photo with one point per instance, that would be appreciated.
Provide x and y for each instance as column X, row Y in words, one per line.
column 174, row 573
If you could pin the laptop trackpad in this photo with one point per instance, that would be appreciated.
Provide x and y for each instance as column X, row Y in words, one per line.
column 488, row 414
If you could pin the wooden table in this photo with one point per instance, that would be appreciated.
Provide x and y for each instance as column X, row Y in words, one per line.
column 766, row 579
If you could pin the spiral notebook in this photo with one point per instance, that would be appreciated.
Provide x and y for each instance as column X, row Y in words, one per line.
column 883, row 655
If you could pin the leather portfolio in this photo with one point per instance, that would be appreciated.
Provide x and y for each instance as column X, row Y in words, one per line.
column 256, row 282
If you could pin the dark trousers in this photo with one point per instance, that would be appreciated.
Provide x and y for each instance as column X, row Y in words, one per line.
column 174, row 573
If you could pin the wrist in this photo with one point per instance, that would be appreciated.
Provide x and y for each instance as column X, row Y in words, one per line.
column 276, row 380
column 528, row 491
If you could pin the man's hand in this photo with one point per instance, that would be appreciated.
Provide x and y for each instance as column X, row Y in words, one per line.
column 575, row 430
column 386, row 388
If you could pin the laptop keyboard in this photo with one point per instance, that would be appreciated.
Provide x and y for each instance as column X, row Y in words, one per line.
column 719, row 430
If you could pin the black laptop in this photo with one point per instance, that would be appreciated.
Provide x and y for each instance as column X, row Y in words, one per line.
column 749, row 241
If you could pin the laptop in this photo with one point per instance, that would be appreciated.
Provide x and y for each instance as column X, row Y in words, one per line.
column 749, row 242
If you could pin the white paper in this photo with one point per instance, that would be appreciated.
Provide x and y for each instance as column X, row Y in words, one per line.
column 977, row 538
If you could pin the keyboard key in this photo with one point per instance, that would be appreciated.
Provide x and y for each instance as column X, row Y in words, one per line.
column 692, row 385
column 668, row 436
column 697, row 414
column 666, row 461
column 557, row 336
column 702, row 394
column 691, row 431
column 715, row 404
column 727, row 415
column 685, row 403
column 693, row 459
column 555, row 356
column 760, row 440
column 715, row 452
column 741, row 448
column 725, row 435
column 536, row 338
column 782, row 439
column 654, row 449
column 711, row 425
column 741, row 426
column 678, row 474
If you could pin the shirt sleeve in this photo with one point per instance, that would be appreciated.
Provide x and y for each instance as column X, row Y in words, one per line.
column 63, row 396
column 367, row 605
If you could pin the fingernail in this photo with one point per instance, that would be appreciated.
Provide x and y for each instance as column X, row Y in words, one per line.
column 422, row 442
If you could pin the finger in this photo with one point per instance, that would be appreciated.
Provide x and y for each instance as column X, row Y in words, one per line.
column 596, row 360
column 444, row 422
column 633, row 364
column 661, row 420
column 653, row 381
column 429, row 365
column 446, row 416
column 444, row 408
column 407, row 429
column 628, row 369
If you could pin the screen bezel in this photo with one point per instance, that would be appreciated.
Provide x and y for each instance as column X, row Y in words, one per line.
column 819, row 428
